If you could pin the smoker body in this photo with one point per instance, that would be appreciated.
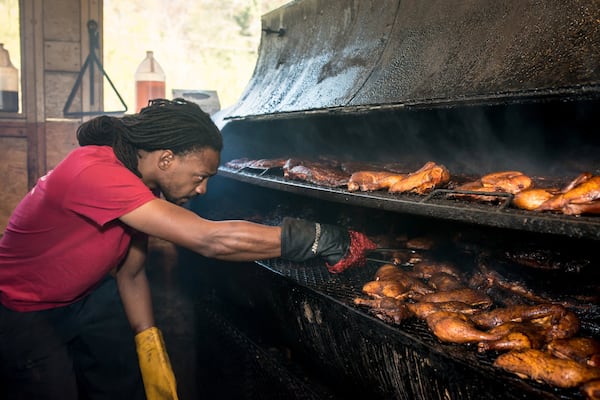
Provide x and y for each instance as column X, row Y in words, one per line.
column 478, row 87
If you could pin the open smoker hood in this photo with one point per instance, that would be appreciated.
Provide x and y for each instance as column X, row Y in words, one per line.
column 351, row 56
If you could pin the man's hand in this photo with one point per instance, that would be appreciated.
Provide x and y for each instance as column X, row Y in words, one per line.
column 302, row 240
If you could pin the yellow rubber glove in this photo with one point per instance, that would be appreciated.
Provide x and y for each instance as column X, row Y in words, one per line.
column 157, row 374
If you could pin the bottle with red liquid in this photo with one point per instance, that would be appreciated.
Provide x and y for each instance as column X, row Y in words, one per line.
column 149, row 81
column 9, row 83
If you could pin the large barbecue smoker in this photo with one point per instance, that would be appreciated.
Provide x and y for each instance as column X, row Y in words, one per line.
column 479, row 87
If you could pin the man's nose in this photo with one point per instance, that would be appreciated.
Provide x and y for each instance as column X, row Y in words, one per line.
column 201, row 188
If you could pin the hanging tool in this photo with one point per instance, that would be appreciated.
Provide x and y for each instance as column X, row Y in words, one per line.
column 89, row 63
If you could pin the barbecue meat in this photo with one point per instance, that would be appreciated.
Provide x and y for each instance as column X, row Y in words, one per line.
column 503, row 181
column 506, row 181
column 583, row 193
column 567, row 326
column 266, row 163
column 543, row 367
column 475, row 186
column 429, row 176
column 424, row 309
column 263, row 163
column 469, row 296
column 386, row 309
column 239, row 163
column 592, row 207
column 368, row 181
column 319, row 173
column 423, row 242
column 531, row 199
column 512, row 341
column 584, row 176
column 518, row 313
column 455, row 327
column 560, row 322
column 515, row 336
column 427, row 268
column 581, row 349
column 414, row 287
column 591, row 390
column 386, row 288
column 443, row 282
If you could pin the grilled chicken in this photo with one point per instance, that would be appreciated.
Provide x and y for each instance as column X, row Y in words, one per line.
column 592, row 207
column 422, row 242
column 567, row 326
column 443, row 282
column 476, row 186
column 515, row 336
column 367, row 181
column 503, row 181
column 386, row 288
column 414, row 287
column 512, row 341
column 591, row 390
column 427, row 268
column 455, row 327
column 429, row 176
column 386, row 309
column 560, row 322
column 424, row 309
column 469, row 296
column 581, row 349
column 531, row 199
column 518, row 313
column 584, row 176
column 506, row 181
column 543, row 367
column 583, row 193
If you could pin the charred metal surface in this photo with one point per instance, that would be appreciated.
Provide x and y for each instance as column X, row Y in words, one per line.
column 351, row 56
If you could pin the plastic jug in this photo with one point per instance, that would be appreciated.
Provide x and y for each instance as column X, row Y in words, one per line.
column 9, row 83
column 149, row 81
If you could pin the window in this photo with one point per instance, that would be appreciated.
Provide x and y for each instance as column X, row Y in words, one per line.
column 10, row 38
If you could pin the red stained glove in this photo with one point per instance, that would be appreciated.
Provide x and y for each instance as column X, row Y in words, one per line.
column 360, row 244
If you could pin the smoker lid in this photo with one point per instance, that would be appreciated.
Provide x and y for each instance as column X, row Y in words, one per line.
column 345, row 56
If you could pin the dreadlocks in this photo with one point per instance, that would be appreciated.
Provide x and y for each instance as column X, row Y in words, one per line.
column 176, row 125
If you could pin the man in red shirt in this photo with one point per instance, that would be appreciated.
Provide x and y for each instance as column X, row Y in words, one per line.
column 64, row 317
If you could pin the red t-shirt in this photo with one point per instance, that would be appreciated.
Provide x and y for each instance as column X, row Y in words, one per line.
column 65, row 236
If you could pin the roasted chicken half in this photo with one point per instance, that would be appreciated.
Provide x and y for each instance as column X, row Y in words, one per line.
column 455, row 327
column 586, row 192
column 543, row 367
column 429, row 176
column 368, row 181
column 584, row 350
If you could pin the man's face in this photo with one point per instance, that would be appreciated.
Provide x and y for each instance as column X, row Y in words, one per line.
column 187, row 175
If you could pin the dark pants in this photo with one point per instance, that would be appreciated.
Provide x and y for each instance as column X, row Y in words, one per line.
column 84, row 350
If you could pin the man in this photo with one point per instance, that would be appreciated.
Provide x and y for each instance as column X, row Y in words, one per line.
column 72, row 281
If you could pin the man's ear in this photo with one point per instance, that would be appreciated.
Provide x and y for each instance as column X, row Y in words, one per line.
column 165, row 159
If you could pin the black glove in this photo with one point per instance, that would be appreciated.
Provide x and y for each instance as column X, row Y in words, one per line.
column 302, row 240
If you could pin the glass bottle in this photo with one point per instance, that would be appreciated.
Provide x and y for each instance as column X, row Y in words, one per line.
column 149, row 81
column 9, row 83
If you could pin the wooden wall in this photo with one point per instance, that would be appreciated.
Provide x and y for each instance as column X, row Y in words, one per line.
column 55, row 43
